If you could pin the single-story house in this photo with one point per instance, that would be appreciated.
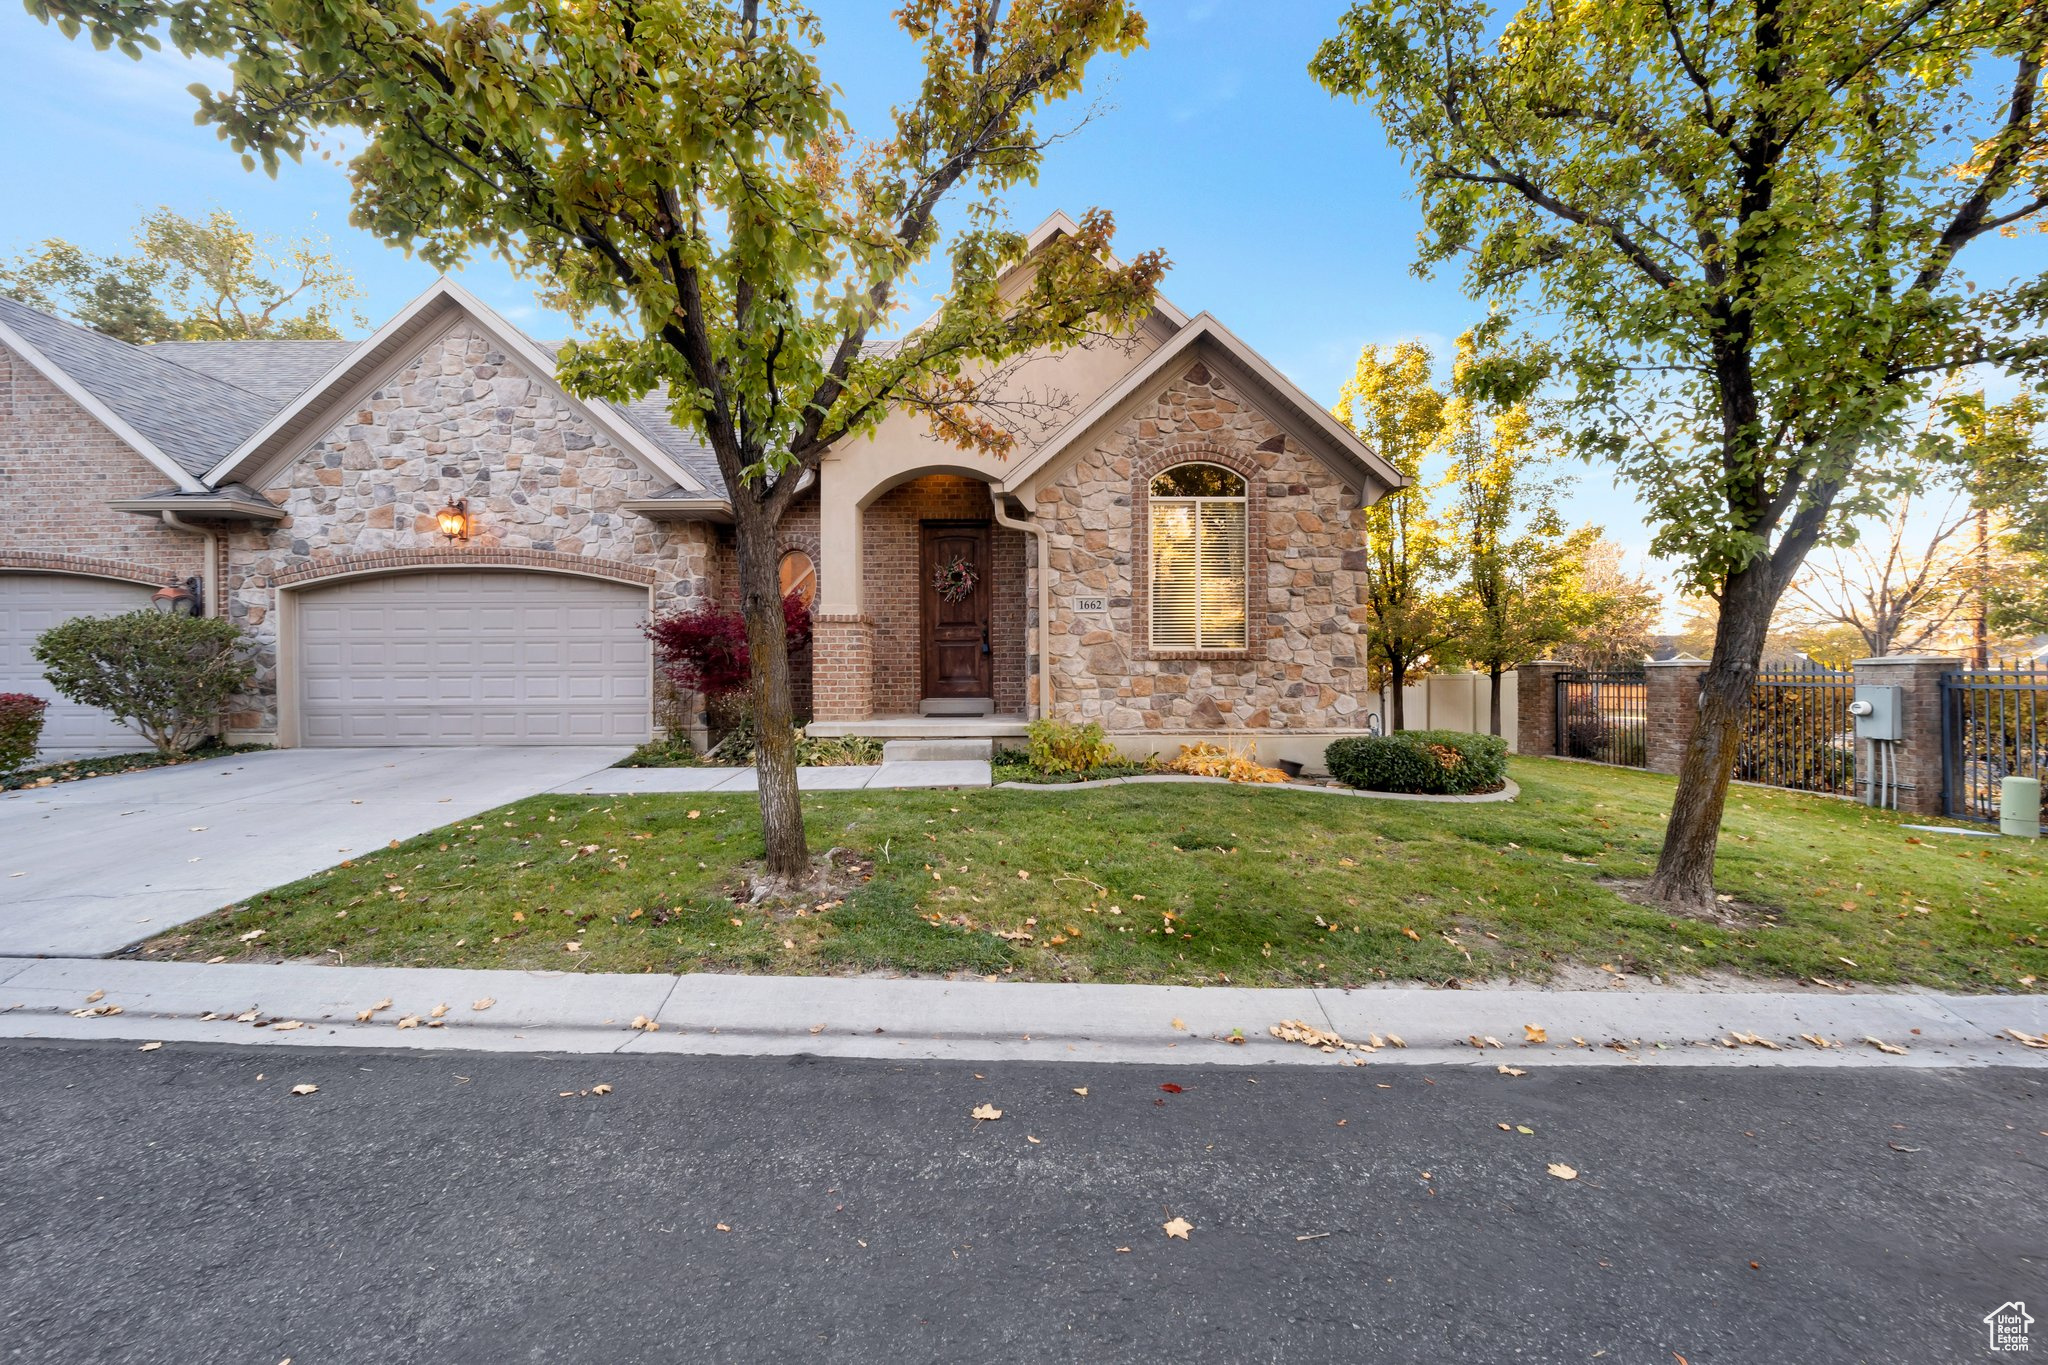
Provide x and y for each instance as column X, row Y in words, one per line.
column 430, row 542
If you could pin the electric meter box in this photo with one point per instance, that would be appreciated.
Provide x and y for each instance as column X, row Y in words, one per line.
column 1876, row 711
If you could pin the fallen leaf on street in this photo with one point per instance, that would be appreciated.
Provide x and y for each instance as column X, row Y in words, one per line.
column 304, row 1089
column 1082, row 1091
column 1506, row 1070
column 2029, row 1039
column 410, row 1021
column 437, row 1012
column 600, row 1090
column 1179, row 1227
column 1883, row 1046
column 95, row 997
column 149, row 1047
column 720, row 1226
column 1033, row 1141
column 817, row 1028
column 1170, row 1088
column 1178, row 1024
column 287, row 1025
column 1535, row 1034
column 1818, row 1041
column 645, row 1025
column 482, row 1004
column 987, row 1112
column 1562, row 1171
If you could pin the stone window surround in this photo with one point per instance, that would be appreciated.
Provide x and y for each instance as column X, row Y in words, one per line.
column 1143, row 471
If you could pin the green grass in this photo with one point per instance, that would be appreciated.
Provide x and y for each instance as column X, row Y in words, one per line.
column 1256, row 887
column 110, row 765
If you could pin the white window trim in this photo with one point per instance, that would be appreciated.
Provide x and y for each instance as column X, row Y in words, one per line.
column 1153, row 501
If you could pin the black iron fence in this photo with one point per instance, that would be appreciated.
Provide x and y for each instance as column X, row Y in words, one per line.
column 1994, row 726
column 1604, row 717
column 1798, row 732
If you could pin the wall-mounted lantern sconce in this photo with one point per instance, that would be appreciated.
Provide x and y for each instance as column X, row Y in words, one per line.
column 180, row 599
column 455, row 523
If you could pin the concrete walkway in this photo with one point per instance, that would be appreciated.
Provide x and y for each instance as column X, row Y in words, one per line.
column 875, row 777
column 90, row 867
column 990, row 1021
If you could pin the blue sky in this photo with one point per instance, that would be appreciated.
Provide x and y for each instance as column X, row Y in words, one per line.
column 1285, row 212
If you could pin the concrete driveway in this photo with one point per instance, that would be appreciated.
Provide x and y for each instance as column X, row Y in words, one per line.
column 87, row 868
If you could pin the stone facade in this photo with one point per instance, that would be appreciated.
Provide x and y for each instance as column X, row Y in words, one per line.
column 543, row 486
column 58, row 470
column 1304, row 669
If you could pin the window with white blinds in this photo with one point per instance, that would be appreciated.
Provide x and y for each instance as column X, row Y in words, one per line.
column 1198, row 558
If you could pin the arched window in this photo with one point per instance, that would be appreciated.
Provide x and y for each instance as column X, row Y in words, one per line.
column 799, row 577
column 1199, row 558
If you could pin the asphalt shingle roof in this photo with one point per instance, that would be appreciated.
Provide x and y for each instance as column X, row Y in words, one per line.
column 191, row 417
column 277, row 370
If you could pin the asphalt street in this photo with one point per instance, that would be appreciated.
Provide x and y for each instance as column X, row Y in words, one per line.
column 183, row 1205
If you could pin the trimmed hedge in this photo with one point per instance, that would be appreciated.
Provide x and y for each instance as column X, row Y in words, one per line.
column 21, row 728
column 1429, row 762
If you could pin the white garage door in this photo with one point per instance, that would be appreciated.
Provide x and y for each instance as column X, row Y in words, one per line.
column 30, row 603
column 473, row 657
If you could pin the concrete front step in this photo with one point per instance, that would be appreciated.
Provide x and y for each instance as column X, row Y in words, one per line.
column 937, row 750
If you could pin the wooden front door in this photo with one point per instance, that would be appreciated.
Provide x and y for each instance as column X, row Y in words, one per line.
column 956, row 643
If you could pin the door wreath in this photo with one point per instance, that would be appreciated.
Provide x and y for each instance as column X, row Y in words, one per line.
column 955, row 581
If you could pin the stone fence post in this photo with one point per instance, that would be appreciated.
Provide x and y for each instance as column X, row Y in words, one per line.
column 1536, row 707
column 1672, row 706
column 1918, row 753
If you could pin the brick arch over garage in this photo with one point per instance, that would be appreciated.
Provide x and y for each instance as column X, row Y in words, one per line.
column 25, row 562
column 399, row 561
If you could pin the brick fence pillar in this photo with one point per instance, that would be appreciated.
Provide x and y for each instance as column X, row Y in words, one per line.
column 1917, row 770
column 1671, row 690
column 842, row 667
column 1536, row 706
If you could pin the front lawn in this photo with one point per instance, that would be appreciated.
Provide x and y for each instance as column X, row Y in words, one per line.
column 1177, row 884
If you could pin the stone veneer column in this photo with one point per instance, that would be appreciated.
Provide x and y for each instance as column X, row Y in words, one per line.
column 1918, row 754
column 1536, row 707
column 1672, row 705
column 842, row 667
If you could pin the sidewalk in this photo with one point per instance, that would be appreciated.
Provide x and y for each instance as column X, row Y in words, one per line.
column 879, row 776
column 988, row 1021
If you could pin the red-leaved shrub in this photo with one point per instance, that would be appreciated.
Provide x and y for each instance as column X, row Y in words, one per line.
column 21, row 728
column 704, row 650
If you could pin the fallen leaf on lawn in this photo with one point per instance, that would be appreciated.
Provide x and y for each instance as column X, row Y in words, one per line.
column 645, row 1025
column 410, row 1021
column 253, row 935
column 1179, row 1227
column 987, row 1112
column 1883, row 1046
column 573, row 946
column 1022, row 875
column 1562, row 1171
column 519, row 917
column 2029, row 1039
column 1534, row 1034
column 1411, row 933
column 600, row 1090
column 1082, row 1091
column 304, row 1089
column 437, row 1012
column 149, row 1047
column 483, row 1004
column 694, row 814
column 1507, row 1070
column 95, row 997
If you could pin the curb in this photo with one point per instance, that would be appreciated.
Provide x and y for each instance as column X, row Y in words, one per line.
column 988, row 1021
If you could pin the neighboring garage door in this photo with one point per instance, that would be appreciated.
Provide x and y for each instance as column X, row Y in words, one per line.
column 473, row 657
column 30, row 603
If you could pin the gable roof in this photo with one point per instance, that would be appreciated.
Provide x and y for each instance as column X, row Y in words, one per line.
column 277, row 370
column 444, row 303
column 1334, row 442
column 177, row 419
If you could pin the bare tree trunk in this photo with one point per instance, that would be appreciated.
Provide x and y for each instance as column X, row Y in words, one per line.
column 1493, row 681
column 782, row 820
column 1684, row 878
column 1397, row 686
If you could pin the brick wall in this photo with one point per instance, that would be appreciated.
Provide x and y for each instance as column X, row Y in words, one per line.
column 893, row 593
column 1305, row 670
column 843, row 650
column 58, row 469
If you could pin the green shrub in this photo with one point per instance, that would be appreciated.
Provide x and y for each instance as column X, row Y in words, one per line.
column 21, row 728
column 1431, row 762
column 168, row 676
column 1057, row 747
